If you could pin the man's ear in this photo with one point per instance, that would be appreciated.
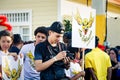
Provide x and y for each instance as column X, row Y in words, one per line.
column 49, row 32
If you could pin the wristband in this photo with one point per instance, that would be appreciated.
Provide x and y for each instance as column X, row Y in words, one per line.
column 55, row 58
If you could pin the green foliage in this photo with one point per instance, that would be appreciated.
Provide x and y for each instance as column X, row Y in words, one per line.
column 68, row 25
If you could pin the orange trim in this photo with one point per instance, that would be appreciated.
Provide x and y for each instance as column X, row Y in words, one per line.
column 115, row 1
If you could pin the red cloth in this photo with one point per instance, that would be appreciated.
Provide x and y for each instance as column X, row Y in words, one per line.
column 101, row 47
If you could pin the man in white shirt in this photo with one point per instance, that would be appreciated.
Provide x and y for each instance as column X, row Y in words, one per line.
column 28, row 50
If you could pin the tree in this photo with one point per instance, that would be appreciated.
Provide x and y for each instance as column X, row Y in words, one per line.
column 68, row 25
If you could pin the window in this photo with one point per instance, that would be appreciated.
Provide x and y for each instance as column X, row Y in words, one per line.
column 25, row 33
column 21, row 22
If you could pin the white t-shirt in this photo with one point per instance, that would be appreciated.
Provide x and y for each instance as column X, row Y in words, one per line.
column 29, row 67
column 73, row 70
column 2, row 54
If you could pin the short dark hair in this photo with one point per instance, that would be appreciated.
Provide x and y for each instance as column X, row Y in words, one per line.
column 68, row 35
column 6, row 33
column 41, row 29
column 96, row 41
column 17, row 39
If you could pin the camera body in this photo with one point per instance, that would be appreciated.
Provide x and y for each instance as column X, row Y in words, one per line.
column 70, row 55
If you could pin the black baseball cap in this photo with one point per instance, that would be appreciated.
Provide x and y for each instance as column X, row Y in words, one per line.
column 57, row 27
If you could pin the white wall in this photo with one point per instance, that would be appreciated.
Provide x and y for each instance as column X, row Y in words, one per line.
column 113, row 31
column 44, row 12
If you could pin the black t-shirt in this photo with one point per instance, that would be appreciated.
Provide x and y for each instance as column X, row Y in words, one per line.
column 14, row 49
column 44, row 51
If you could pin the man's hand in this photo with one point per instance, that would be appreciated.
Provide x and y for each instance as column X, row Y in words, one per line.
column 14, row 55
column 82, row 73
column 60, row 55
column 66, row 61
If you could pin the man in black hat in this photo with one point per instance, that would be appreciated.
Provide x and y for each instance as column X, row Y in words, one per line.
column 50, row 56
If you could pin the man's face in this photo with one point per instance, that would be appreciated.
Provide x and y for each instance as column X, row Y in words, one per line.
column 56, row 37
column 40, row 37
column 65, row 40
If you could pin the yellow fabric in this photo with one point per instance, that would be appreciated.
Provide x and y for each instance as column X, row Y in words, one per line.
column 101, row 27
column 99, row 61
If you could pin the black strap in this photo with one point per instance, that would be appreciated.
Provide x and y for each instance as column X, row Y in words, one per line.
column 52, row 52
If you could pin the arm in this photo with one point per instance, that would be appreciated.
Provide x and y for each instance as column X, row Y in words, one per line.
column 66, row 61
column 109, row 73
column 24, row 50
column 39, row 65
column 39, row 51
column 14, row 55
column 94, row 77
column 115, row 67
column 80, row 74
column 109, row 69
column 0, row 72
column 89, row 67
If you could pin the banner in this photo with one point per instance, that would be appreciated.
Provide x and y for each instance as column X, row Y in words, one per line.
column 83, row 27
column 83, row 21
column 11, row 69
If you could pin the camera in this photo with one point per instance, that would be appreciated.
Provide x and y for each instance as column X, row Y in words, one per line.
column 70, row 55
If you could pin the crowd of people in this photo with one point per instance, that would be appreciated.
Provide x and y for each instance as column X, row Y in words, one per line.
column 47, row 58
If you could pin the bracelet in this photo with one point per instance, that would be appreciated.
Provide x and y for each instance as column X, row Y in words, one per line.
column 55, row 58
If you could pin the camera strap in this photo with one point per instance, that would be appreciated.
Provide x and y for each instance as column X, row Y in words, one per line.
column 52, row 52
column 57, row 69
